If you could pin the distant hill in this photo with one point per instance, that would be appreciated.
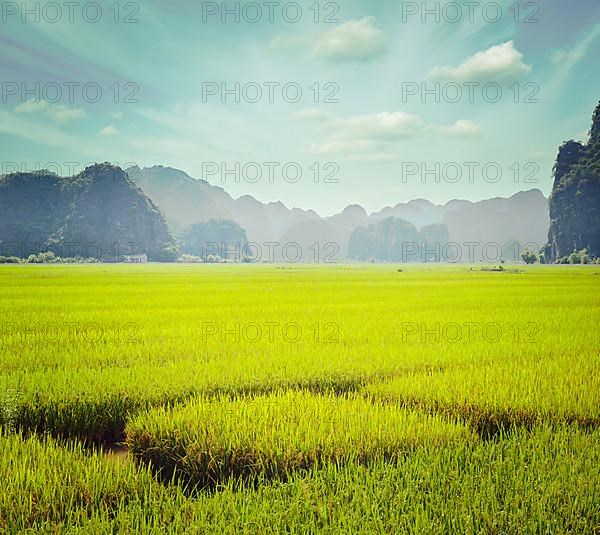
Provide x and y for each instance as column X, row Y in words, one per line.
column 390, row 240
column 522, row 218
column 104, row 205
column 182, row 199
column 99, row 213
column 575, row 198
column 185, row 200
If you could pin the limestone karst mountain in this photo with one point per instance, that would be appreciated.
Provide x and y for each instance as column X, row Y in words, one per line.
column 575, row 198
column 99, row 213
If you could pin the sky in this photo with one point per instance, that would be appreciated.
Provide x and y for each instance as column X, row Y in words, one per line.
column 315, row 104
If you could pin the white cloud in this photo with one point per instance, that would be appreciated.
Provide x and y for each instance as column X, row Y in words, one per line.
column 383, row 126
column 108, row 131
column 356, row 40
column 32, row 106
column 376, row 136
column 118, row 115
column 461, row 128
column 367, row 137
column 500, row 63
column 62, row 114
column 59, row 113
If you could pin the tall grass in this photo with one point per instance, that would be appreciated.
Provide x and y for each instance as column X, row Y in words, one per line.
column 369, row 433
column 544, row 481
column 504, row 394
column 79, row 386
column 269, row 437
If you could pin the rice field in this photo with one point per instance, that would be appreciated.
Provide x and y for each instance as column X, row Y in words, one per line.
column 257, row 398
column 208, row 442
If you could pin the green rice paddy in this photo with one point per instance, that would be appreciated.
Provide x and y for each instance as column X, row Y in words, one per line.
column 257, row 398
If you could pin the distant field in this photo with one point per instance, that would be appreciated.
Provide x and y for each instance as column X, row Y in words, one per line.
column 427, row 399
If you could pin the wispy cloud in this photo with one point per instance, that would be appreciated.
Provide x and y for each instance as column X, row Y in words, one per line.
column 47, row 134
column 109, row 131
column 570, row 56
column 383, row 126
column 377, row 135
column 461, row 128
column 59, row 113
column 565, row 60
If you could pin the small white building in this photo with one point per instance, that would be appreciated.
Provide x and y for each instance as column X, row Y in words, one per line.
column 136, row 259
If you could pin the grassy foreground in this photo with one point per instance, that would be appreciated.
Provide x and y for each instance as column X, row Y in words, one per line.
column 545, row 481
column 432, row 400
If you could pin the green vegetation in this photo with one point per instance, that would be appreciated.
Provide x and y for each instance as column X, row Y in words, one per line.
column 273, row 436
column 215, row 239
column 530, row 482
column 310, row 398
column 578, row 257
column 396, row 240
column 9, row 260
column 500, row 395
column 99, row 213
column 574, row 215
column 529, row 257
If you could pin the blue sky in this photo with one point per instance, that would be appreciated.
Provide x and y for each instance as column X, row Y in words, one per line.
column 360, row 115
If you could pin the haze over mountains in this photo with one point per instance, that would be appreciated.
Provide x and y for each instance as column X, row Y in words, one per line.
column 146, row 212
column 184, row 200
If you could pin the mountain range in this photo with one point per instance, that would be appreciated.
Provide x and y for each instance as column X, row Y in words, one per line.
column 184, row 200
column 147, row 211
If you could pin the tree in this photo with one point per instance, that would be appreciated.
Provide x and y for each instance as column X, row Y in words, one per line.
column 170, row 253
column 214, row 238
column 390, row 240
column 43, row 258
column 579, row 257
column 529, row 257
